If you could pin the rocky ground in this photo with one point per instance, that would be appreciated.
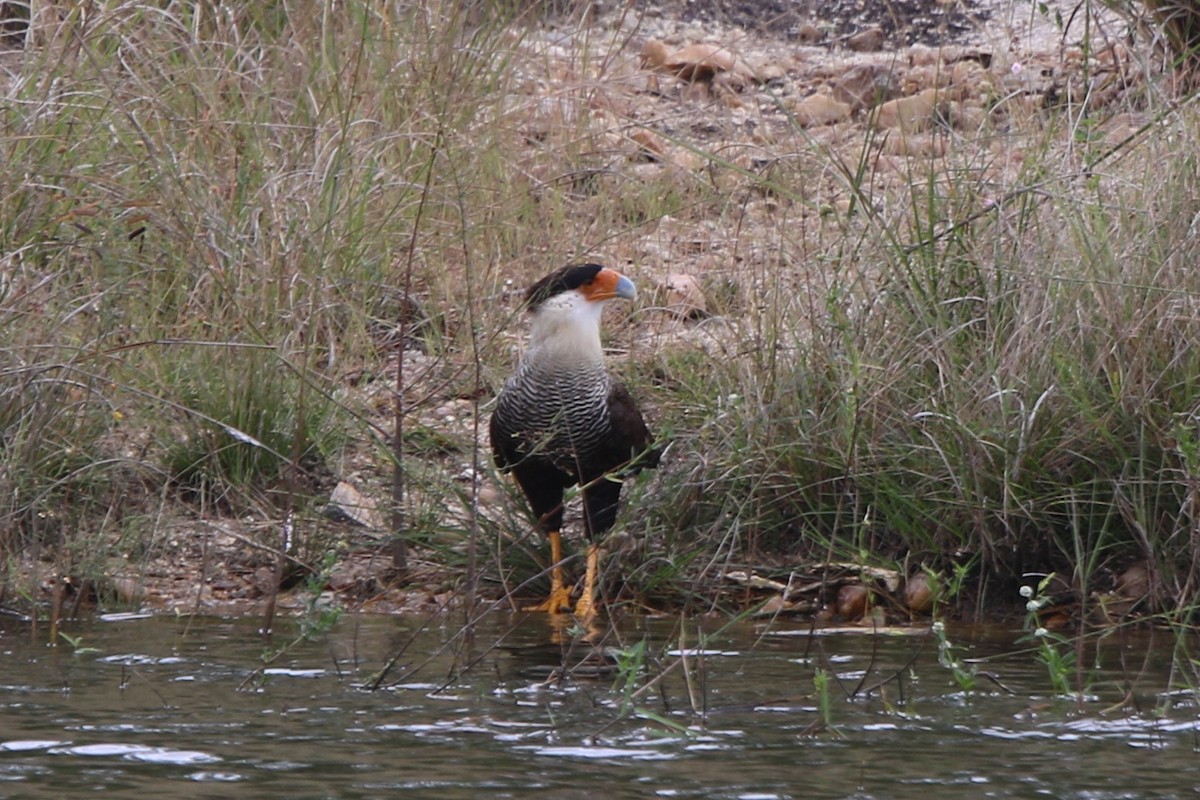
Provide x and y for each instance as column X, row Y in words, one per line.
column 735, row 78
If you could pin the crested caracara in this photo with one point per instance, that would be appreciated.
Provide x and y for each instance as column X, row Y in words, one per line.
column 562, row 420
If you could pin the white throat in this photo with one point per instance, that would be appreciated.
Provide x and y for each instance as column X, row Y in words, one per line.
column 566, row 329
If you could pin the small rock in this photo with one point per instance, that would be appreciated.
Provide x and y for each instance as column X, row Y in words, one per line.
column 910, row 114
column 684, row 297
column 920, row 55
column 489, row 496
column 919, row 593
column 914, row 145
column 852, row 601
column 647, row 171
column 732, row 82
column 970, row 75
column 650, row 146
column 347, row 504
column 918, row 79
column 864, row 86
column 866, row 40
column 772, row 72
column 1121, row 127
column 686, row 160
column 808, row 33
column 697, row 92
column 966, row 116
column 774, row 605
column 128, row 590
column 654, row 54
column 819, row 109
column 1134, row 582
column 700, row 62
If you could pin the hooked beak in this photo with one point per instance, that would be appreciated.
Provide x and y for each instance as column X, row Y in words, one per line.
column 625, row 289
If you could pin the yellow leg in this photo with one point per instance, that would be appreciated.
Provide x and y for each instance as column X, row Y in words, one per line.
column 585, row 609
column 559, row 601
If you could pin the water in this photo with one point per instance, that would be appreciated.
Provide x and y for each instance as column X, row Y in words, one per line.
column 173, row 708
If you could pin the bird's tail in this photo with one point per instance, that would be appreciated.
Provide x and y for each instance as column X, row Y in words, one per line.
column 647, row 459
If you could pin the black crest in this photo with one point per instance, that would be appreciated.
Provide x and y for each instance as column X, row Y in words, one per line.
column 561, row 280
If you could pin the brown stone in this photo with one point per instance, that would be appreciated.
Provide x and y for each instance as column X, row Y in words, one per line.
column 655, row 54
column 819, row 109
column 866, row 41
column 919, row 593
column 684, row 297
column 970, row 75
column 774, row 605
column 852, row 601
column 920, row 55
column 910, row 114
column 129, row 591
column 1134, row 582
column 770, row 72
column 686, row 159
column 1121, row 127
column 697, row 91
column 918, row 79
column 649, row 145
column 700, row 62
column 731, row 82
column 914, row 145
column 808, row 33
column 347, row 504
column 864, row 86
column 967, row 117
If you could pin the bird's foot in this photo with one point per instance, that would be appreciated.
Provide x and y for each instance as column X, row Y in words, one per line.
column 559, row 602
column 585, row 609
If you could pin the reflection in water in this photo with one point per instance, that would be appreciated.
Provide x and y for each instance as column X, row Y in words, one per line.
column 152, row 706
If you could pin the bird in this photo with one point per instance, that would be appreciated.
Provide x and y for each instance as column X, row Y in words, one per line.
column 562, row 420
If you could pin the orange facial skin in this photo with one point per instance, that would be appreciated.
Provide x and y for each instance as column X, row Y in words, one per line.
column 608, row 284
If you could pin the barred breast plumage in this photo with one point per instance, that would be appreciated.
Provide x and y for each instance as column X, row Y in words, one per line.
column 559, row 414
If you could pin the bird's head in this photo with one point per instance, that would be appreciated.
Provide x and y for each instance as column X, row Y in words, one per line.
column 588, row 282
column 566, row 304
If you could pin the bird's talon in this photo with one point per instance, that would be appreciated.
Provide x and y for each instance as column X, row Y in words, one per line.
column 559, row 602
column 585, row 610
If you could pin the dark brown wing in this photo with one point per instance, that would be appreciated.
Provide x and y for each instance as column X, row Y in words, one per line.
column 625, row 450
column 630, row 442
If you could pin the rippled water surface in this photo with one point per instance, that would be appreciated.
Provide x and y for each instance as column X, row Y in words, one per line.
column 174, row 708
